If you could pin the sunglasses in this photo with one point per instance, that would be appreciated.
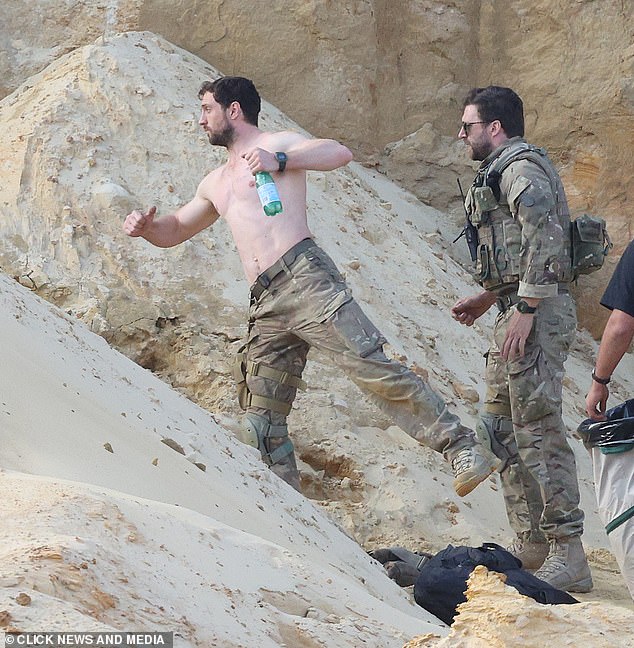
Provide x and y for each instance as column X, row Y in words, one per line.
column 467, row 125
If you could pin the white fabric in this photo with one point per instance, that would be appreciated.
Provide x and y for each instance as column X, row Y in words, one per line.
column 614, row 485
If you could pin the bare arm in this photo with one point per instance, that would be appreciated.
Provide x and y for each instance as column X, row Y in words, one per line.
column 616, row 340
column 303, row 154
column 172, row 229
column 318, row 155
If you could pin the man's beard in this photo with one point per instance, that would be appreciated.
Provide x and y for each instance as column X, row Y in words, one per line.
column 224, row 138
column 480, row 151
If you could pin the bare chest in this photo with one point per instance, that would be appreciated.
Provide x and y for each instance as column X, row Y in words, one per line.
column 235, row 191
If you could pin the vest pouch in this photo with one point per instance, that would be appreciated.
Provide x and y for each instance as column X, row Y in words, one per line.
column 482, row 270
column 484, row 200
column 240, row 377
column 512, row 239
column 590, row 244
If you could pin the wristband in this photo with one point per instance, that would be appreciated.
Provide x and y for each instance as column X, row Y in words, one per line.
column 282, row 159
column 601, row 381
column 523, row 307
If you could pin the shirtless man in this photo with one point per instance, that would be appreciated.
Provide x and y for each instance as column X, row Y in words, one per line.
column 298, row 297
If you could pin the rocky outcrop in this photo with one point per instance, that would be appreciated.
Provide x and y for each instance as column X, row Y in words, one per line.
column 495, row 615
column 387, row 78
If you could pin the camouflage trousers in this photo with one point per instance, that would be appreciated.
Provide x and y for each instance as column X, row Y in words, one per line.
column 540, row 486
column 309, row 305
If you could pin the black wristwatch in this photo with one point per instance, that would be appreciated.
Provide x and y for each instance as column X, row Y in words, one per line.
column 601, row 381
column 523, row 307
column 281, row 158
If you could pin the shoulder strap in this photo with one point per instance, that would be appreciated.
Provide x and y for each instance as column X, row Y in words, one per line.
column 521, row 151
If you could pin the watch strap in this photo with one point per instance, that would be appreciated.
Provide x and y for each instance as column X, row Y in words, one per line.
column 523, row 307
column 601, row 381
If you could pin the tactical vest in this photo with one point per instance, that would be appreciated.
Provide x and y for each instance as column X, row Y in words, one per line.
column 497, row 263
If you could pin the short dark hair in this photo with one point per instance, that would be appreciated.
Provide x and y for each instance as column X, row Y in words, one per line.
column 228, row 89
column 496, row 102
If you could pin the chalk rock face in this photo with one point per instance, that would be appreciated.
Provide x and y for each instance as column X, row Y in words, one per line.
column 363, row 71
column 370, row 73
column 33, row 33
column 388, row 78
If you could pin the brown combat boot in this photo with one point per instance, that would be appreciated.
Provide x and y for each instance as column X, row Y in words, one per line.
column 566, row 566
column 532, row 553
column 471, row 467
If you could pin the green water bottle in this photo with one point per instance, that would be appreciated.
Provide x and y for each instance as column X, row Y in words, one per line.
column 267, row 191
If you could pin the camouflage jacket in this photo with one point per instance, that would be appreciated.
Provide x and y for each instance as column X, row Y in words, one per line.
column 518, row 205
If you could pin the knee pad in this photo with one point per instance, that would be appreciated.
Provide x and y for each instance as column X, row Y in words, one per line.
column 496, row 434
column 258, row 433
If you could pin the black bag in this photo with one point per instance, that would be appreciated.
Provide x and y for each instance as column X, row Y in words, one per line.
column 442, row 582
column 615, row 434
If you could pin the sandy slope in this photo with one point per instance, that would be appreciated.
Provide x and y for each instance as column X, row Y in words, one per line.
column 136, row 535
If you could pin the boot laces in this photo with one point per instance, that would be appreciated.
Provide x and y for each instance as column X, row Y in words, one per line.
column 517, row 546
column 556, row 561
column 463, row 461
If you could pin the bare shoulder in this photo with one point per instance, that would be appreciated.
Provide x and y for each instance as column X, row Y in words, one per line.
column 209, row 183
column 281, row 139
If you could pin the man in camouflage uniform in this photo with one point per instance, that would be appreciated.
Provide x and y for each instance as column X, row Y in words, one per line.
column 518, row 207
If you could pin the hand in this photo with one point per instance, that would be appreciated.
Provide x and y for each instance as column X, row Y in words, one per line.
column 137, row 223
column 517, row 332
column 259, row 159
column 466, row 311
column 596, row 401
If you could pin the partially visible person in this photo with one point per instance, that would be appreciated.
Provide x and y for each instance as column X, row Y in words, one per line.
column 617, row 335
column 299, row 299
column 614, row 471
column 517, row 206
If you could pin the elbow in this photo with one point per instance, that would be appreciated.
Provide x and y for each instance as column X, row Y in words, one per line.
column 346, row 155
column 625, row 332
column 620, row 327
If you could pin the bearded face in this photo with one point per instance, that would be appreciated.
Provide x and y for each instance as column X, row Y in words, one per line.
column 475, row 134
column 480, row 148
column 214, row 121
column 223, row 137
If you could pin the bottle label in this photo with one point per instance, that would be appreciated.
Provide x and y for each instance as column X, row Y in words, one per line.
column 268, row 193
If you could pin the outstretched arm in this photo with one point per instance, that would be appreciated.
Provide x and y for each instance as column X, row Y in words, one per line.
column 303, row 154
column 616, row 340
column 172, row 229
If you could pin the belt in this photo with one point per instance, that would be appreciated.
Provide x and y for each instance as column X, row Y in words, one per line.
column 507, row 301
column 286, row 260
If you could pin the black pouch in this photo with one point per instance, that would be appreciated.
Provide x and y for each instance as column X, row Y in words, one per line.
column 589, row 244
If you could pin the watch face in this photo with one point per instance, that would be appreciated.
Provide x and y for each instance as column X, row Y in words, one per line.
column 523, row 307
column 281, row 160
